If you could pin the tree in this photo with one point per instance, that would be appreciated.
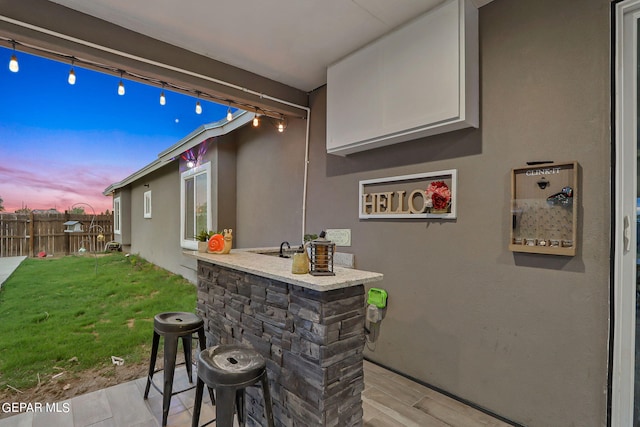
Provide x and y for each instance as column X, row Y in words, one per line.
column 1, row 204
column 24, row 209
column 78, row 210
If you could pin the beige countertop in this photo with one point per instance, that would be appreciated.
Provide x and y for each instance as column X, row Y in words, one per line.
column 277, row 268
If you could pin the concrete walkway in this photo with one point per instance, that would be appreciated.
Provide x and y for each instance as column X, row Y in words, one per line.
column 8, row 265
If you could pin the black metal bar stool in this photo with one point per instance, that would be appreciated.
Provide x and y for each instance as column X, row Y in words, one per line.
column 229, row 369
column 173, row 326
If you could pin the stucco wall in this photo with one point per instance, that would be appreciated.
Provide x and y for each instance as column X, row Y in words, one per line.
column 522, row 335
column 124, row 237
column 157, row 239
column 270, row 169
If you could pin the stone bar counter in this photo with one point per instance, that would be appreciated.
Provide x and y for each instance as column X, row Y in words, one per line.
column 310, row 330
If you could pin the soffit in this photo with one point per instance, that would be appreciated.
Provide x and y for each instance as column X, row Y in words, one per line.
column 289, row 41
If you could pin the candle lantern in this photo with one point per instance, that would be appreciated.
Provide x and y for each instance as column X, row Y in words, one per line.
column 322, row 251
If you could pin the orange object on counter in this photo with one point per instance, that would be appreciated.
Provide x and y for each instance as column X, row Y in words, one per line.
column 216, row 243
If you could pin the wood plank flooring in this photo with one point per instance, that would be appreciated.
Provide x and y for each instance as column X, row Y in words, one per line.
column 389, row 400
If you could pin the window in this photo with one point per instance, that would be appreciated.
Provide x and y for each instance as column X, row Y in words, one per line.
column 147, row 204
column 116, row 215
column 195, row 193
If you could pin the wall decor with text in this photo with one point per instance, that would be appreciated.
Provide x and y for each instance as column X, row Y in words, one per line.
column 422, row 195
column 544, row 209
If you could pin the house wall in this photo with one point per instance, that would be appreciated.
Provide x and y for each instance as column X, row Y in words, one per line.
column 157, row 239
column 522, row 335
column 224, row 158
column 124, row 237
column 270, row 170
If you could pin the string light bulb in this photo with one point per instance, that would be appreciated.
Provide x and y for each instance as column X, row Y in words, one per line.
column 198, row 106
column 13, row 63
column 229, row 114
column 280, row 127
column 256, row 121
column 163, row 100
column 121, row 86
column 72, row 75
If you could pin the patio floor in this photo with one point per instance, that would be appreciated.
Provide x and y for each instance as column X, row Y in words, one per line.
column 389, row 400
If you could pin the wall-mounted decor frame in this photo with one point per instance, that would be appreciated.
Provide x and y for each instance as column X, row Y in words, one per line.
column 422, row 195
column 544, row 209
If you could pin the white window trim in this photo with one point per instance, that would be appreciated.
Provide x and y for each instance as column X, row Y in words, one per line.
column 146, row 204
column 117, row 215
column 624, row 268
column 205, row 168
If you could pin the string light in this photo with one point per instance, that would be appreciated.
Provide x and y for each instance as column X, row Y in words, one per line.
column 163, row 100
column 198, row 106
column 72, row 75
column 121, row 86
column 72, row 78
column 13, row 63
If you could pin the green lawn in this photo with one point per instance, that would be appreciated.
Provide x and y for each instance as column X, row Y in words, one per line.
column 55, row 310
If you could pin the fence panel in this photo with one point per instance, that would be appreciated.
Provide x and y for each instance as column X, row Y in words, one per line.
column 32, row 234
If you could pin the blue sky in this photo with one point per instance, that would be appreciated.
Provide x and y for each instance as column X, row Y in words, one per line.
column 62, row 144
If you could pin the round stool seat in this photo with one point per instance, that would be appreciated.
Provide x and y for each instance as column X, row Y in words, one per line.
column 177, row 323
column 230, row 365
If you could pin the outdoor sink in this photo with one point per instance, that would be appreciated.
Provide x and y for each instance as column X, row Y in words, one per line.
column 288, row 253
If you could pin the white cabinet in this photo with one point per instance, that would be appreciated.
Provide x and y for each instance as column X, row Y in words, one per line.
column 419, row 80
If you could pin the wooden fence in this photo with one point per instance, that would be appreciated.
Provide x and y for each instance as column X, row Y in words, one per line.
column 31, row 234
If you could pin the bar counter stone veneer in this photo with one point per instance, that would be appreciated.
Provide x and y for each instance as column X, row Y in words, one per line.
column 309, row 329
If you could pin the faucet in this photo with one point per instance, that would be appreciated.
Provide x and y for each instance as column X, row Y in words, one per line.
column 282, row 255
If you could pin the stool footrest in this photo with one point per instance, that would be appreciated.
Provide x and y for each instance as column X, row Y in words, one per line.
column 173, row 393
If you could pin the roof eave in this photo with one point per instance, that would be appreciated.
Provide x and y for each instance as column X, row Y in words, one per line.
column 204, row 132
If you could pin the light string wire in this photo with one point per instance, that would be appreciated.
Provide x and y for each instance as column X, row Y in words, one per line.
column 107, row 69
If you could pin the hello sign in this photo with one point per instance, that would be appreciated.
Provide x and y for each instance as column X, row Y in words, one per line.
column 423, row 195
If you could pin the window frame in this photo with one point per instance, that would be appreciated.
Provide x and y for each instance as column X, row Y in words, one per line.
column 146, row 204
column 184, row 176
column 117, row 215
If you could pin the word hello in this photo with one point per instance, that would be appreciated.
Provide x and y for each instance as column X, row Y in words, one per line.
column 394, row 202
column 544, row 171
column 19, row 407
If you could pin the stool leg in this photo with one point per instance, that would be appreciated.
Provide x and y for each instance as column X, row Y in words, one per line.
column 240, row 406
column 186, row 345
column 267, row 399
column 202, row 344
column 170, row 351
column 197, row 404
column 152, row 362
column 225, row 406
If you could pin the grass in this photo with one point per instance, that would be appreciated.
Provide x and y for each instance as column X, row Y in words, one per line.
column 66, row 314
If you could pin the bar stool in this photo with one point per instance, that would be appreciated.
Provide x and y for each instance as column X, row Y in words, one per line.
column 229, row 369
column 172, row 326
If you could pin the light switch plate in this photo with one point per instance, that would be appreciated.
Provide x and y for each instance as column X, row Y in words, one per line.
column 339, row 236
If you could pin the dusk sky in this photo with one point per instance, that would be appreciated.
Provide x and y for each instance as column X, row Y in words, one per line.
column 62, row 144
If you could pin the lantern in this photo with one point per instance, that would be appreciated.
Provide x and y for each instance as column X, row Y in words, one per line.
column 322, row 251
